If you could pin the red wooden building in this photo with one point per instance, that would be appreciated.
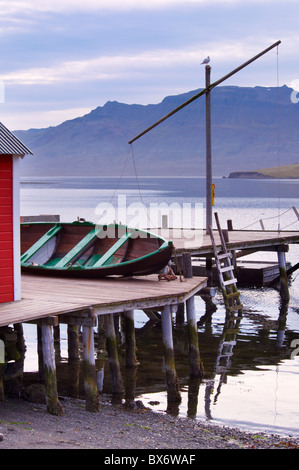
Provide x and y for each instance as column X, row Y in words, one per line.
column 11, row 150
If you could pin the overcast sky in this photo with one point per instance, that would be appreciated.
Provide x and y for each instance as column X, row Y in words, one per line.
column 62, row 58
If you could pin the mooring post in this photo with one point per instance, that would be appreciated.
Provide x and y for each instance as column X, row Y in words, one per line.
column 90, row 384
column 111, row 344
column 284, row 285
column 173, row 393
column 53, row 405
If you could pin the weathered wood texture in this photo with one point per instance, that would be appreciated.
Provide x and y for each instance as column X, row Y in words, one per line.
column 198, row 243
column 43, row 296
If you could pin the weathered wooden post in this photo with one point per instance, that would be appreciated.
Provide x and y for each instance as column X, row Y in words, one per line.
column 111, row 344
column 180, row 315
column 90, row 385
column 101, row 353
column 53, row 405
column 284, row 285
column 173, row 393
column 130, row 360
column 196, row 367
column 73, row 342
column 2, row 395
column 73, row 359
column 194, row 357
column 40, row 353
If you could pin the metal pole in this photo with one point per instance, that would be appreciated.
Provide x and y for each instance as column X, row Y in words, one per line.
column 209, row 221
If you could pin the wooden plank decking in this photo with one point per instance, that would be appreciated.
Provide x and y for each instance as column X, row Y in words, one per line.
column 197, row 242
column 50, row 296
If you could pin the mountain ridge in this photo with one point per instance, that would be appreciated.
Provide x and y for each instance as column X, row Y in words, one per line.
column 245, row 132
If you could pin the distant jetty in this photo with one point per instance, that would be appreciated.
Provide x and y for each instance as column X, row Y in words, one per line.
column 284, row 171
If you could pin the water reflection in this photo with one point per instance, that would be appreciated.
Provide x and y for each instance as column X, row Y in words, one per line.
column 239, row 355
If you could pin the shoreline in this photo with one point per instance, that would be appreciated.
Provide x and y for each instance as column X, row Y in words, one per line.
column 27, row 425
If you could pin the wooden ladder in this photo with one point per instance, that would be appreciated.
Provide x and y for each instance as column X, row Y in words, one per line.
column 225, row 268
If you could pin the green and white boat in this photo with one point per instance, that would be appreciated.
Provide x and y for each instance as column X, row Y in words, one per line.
column 83, row 249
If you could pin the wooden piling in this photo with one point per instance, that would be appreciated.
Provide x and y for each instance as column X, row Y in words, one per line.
column 180, row 315
column 196, row 367
column 173, row 393
column 73, row 342
column 284, row 286
column 101, row 353
column 2, row 395
column 131, row 360
column 111, row 344
column 90, row 385
column 53, row 405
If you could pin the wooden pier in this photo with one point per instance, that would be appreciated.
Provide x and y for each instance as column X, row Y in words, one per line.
column 81, row 303
column 49, row 301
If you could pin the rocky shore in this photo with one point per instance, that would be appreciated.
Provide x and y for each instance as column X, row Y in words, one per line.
column 26, row 425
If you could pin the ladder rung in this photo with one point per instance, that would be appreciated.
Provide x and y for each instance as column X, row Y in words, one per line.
column 229, row 281
column 226, row 269
column 224, row 255
column 232, row 295
column 229, row 343
column 235, row 307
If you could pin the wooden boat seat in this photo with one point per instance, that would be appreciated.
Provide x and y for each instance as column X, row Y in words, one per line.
column 73, row 256
column 25, row 258
column 109, row 257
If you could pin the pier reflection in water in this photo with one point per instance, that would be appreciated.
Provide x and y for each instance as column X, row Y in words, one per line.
column 239, row 355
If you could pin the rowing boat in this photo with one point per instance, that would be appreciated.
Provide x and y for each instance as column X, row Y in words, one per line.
column 83, row 249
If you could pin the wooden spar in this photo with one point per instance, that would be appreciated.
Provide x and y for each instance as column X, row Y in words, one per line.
column 202, row 92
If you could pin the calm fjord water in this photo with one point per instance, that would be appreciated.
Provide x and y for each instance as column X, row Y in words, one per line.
column 259, row 390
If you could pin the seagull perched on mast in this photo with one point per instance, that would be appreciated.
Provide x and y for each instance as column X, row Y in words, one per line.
column 206, row 61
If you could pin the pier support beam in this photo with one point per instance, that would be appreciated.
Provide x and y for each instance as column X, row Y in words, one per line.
column 196, row 368
column 284, row 286
column 101, row 353
column 53, row 405
column 73, row 342
column 130, row 360
column 194, row 358
column 111, row 344
column 90, row 385
column 173, row 393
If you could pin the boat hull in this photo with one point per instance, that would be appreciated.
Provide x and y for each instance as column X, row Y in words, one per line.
column 83, row 250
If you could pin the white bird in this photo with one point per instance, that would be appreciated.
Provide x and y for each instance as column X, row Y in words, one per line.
column 206, row 61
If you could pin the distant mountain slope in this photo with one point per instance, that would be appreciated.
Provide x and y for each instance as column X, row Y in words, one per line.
column 244, row 136
column 283, row 171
